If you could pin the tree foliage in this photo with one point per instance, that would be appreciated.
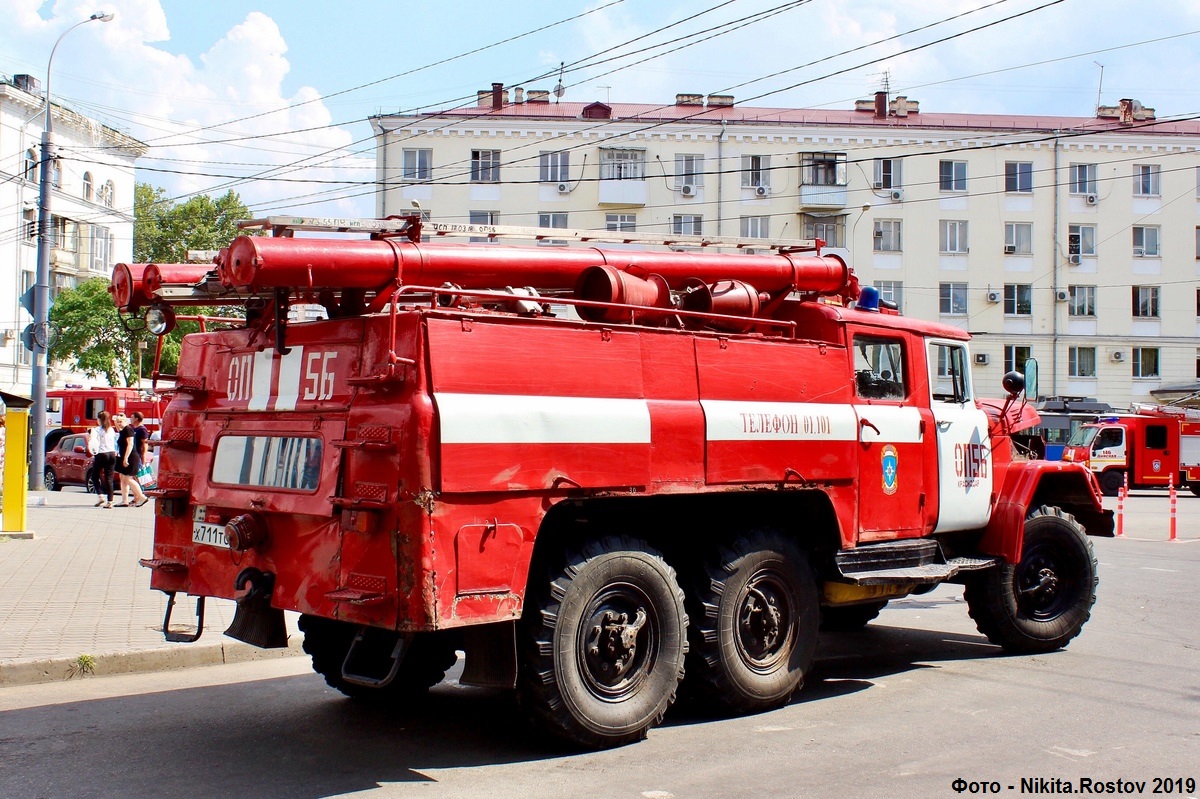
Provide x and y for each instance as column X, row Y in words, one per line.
column 89, row 330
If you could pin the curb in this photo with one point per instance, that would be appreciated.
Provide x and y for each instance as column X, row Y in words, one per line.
column 32, row 672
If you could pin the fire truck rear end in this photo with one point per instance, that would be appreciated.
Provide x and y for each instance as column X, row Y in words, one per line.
column 597, row 472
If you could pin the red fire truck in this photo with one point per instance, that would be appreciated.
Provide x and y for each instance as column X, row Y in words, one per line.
column 74, row 410
column 1149, row 445
column 593, row 470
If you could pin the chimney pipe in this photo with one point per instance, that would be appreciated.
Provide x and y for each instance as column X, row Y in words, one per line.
column 881, row 110
column 518, row 95
column 497, row 96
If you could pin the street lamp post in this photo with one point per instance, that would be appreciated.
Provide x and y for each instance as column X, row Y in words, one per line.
column 41, row 286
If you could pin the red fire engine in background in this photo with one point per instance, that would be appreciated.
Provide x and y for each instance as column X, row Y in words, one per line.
column 593, row 470
column 1148, row 445
column 74, row 410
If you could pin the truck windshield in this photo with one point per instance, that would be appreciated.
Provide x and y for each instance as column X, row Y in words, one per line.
column 268, row 461
column 1082, row 436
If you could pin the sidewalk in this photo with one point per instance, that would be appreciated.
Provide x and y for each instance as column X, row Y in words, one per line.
column 75, row 589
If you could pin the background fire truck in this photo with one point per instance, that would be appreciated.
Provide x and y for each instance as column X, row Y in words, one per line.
column 74, row 410
column 1148, row 445
column 596, row 471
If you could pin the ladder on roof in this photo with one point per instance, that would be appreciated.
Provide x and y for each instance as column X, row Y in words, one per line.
column 403, row 223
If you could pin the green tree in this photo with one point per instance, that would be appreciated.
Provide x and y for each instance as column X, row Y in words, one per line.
column 89, row 329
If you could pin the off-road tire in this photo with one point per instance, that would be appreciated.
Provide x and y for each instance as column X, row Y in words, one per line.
column 849, row 617
column 425, row 663
column 755, row 611
column 580, row 679
column 1041, row 603
column 50, row 480
column 1111, row 482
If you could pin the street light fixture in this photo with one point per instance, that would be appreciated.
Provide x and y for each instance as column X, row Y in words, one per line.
column 41, row 286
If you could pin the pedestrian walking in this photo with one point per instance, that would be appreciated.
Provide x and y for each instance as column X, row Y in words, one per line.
column 129, row 464
column 102, row 444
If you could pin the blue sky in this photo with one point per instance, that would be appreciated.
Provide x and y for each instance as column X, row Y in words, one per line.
column 232, row 89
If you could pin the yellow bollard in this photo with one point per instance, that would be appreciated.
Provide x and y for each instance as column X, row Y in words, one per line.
column 16, row 463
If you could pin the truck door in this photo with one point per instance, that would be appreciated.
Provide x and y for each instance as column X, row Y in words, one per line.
column 963, row 446
column 1156, row 458
column 892, row 501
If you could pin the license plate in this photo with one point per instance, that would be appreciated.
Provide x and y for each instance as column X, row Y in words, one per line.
column 212, row 535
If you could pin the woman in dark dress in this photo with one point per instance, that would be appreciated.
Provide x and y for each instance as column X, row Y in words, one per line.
column 129, row 461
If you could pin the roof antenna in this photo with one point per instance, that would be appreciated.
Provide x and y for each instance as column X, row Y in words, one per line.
column 559, row 90
column 1101, row 86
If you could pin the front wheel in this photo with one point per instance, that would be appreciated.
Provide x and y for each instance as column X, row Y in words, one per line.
column 603, row 644
column 1041, row 603
column 50, row 480
column 1111, row 482
column 755, row 632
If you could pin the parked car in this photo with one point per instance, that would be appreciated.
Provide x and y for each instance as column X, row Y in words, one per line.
column 69, row 463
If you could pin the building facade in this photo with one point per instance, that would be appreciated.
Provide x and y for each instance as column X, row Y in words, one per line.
column 92, row 213
column 1071, row 240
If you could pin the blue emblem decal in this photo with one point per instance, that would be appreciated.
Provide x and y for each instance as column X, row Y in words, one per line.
column 891, row 468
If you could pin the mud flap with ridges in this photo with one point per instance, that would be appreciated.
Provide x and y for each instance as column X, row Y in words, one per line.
column 255, row 621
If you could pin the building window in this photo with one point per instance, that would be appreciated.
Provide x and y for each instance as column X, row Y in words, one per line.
column 552, row 220
column 56, row 173
column 1083, row 178
column 887, row 173
column 485, row 166
column 1081, row 239
column 1018, row 176
column 952, row 175
column 31, row 165
column 554, row 167
column 108, row 194
column 482, row 218
column 1018, row 238
column 891, row 291
column 1145, row 241
column 689, row 170
column 887, row 235
column 1081, row 361
column 829, row 229
column 89, row 186
column 1145, row 302
column 953, row 235
column 686, row 225
column 622, row 164
column 1018, row 299
column 622, row 223
column 1146, row 180
column 102, row 240
column 30, row 216
column 1145, row 362
column 1083, row 300
column 64, row 234
column 952, row 299
column 755, row 227
column 823, row 169
column 756, row 171
column 418, row 165
column 1015, row 358
column 1198, row 242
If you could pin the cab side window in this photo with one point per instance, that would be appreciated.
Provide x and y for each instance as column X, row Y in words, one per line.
column 92, row 408
column 1156, row 436
column 948, row 375
column 1109, row 437
column 879, row 371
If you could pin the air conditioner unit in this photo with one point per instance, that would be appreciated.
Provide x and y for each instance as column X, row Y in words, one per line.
column 1074, row 259
column 982, row 358
column 1010, row 249
column 1062, row 295
column 7, row 335
column 994, row 296
column 1116, row 356
column 878, row 234
column 1139, row 252
column 564, row 188
column 879, row 184
column 1091, row 199
column 687, row 190
column 762, row 191
column 896, row 195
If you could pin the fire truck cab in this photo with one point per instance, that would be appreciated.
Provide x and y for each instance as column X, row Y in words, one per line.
column 75, row 409
column 1147, row 447
column 597, row 471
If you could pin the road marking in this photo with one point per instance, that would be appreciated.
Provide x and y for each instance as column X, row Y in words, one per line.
column 1152, row 569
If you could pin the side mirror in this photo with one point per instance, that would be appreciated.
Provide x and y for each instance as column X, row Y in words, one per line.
column 1013, row 383
column 80, row 450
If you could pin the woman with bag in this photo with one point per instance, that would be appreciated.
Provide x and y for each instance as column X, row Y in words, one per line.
column 102, row 443
column 129, row 465
column 141, row 439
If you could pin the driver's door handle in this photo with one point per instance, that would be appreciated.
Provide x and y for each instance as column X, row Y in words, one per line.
column 867, row 423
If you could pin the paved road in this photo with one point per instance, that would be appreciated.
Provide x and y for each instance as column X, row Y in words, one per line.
column 901, row 709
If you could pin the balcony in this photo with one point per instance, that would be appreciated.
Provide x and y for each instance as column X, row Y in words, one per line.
column 823, row 196
column 623, row 192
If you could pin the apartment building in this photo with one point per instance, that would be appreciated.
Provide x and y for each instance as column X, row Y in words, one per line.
column 1071, row 240
column 92, row 213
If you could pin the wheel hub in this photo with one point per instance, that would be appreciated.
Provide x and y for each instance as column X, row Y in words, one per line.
column 765, row 621
column 760, row 621
column 612, row 643
column 1043, row 588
